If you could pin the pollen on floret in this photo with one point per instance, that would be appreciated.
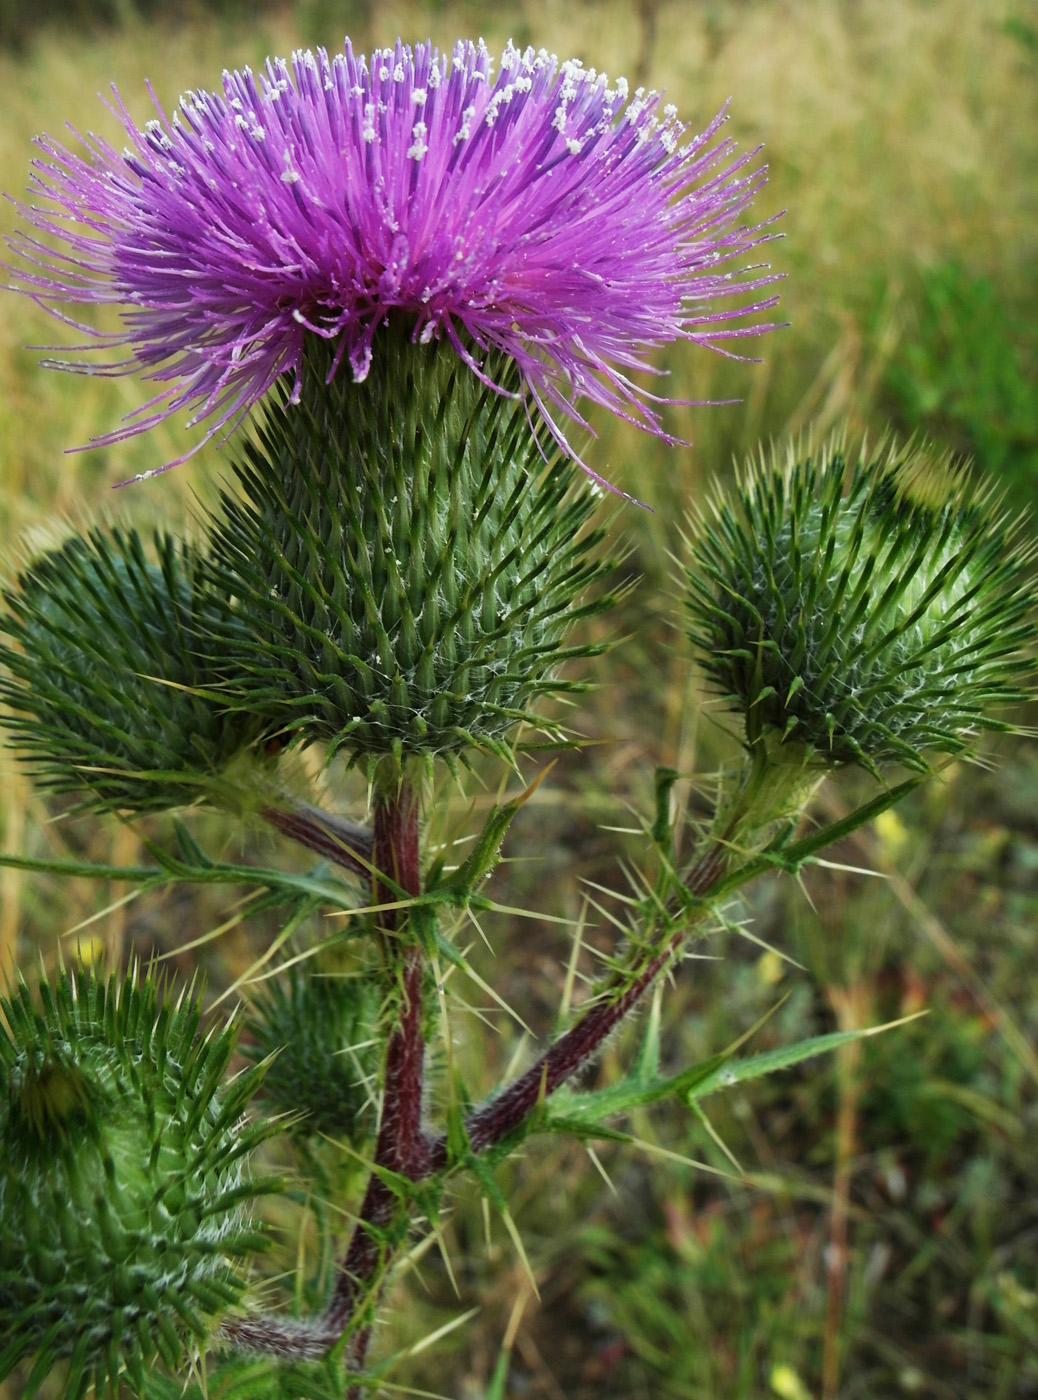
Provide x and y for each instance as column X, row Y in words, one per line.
column 418, row 146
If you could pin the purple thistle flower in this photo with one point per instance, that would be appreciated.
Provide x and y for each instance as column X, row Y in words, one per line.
column 541, row 213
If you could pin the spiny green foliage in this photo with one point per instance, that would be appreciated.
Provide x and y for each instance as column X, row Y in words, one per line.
column 123, row 1180
column 322, row 1032
column 869, row 627
column 254, row 1379
column 409, row 559
column 108, row 677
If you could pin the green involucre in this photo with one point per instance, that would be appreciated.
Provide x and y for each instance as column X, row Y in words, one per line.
column 321, row 1031
column 123, row 1182
column 407, row 559
column 108, row 678
column 870, row 625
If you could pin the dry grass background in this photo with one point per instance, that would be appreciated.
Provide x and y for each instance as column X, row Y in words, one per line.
column 900, row 136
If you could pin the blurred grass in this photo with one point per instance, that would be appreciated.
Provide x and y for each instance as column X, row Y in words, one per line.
column 883, row 1240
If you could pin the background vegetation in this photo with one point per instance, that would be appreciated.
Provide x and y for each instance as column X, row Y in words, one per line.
column 879, row 1235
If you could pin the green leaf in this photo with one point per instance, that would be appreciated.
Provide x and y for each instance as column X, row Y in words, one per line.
column 190, row 850
column 740, row 1071
column 496, row 1389
column 584, row 1115
column 589, row 1110
column 647, row 1061
column 170, row 871
column 581, row 1127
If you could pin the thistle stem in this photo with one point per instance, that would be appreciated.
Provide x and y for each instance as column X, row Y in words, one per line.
column 504, row 1114
column 402, row 1147
column 336, row 838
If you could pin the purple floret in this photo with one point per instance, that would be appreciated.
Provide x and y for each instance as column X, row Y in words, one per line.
column 542, row 213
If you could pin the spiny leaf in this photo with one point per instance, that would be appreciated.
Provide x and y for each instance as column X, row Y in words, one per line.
column 770, row 1061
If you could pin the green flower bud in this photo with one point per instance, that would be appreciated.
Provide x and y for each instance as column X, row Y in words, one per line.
column 108, row 681
column 408, row 560
column 123, row 1186
column 321, row 1032
column 867, row 626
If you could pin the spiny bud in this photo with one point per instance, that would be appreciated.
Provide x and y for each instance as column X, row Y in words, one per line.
column 321, row 1032
column 867, row 625
column 108, row 680
column 408, row 559
column 123, row 1184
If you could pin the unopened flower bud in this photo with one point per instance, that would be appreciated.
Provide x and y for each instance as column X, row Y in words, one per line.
column 123, row 1181
column 870, row 622
column 111, row 681
column 321, row 1033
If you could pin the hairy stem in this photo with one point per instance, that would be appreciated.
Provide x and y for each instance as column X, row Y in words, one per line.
column 401, row 1147
column 336, row 838
column 497, row 1119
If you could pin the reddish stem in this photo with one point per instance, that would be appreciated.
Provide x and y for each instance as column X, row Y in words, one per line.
column 336, row 838
column 497, row 1119
column 402, row 1146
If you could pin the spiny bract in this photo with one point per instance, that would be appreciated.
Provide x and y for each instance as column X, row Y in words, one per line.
column 867, row 626
column 321, row 1032
column 123, row 1180
column 406, row 562
column 108, row 681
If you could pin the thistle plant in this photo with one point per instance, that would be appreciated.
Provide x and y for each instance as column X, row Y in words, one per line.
column 413, row 274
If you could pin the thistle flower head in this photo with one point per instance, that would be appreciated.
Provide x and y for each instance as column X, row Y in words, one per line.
column 537, row 212
column 107, row 654
column 867, row 625
column 123, row 1182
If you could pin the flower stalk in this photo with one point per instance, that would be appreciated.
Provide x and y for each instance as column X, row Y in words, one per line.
column 401, row 1147
column 509, row 1110
column 329, row 835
